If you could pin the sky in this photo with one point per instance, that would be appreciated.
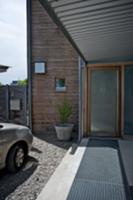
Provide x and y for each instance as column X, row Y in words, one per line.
column 13, row 39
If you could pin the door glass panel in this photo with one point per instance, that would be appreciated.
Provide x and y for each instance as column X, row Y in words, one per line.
column 104, row 100
column 128, row 117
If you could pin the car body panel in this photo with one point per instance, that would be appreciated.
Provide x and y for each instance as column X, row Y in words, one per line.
column 10, row 134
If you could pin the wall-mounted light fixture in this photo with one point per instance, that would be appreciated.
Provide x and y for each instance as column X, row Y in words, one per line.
column 40, row 67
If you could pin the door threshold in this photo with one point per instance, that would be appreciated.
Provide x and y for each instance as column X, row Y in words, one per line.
column 103, row 137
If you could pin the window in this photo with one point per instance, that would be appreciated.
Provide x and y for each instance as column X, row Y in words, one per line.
column 40, row 67
column 60, row 85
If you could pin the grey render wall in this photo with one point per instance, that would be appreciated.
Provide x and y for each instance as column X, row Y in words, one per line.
column 8, row 93
column 4, row 104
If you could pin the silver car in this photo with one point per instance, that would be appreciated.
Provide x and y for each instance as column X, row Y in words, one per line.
column 15, row 143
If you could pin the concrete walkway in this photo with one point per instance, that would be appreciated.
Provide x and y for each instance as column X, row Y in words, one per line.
column 93, row 172
column 59, row 185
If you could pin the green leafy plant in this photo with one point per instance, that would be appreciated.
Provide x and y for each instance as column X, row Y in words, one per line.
column 22, row 82
column 65, row 110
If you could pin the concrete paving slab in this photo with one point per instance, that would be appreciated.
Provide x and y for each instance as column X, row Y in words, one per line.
column 60, row 183
column 126, row 150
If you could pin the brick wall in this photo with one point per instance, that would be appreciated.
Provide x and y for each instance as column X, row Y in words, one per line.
column 49, row 44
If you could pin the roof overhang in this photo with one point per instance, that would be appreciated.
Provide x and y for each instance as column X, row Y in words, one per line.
column 100, row 30
column 3, row 68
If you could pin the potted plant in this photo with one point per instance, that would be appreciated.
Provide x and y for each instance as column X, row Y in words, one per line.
column 64, row 129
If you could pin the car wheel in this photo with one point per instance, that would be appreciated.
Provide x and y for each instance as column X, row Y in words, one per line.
column 16, row 158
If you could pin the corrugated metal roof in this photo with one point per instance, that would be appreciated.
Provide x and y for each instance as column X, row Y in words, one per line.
column 101, row 30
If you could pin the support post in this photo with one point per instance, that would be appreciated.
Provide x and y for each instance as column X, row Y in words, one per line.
column 29, row 60
column 81, row 118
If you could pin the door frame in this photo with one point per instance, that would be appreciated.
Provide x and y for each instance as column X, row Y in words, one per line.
column 89, row 67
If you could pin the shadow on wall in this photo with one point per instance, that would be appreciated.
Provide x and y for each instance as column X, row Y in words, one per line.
column 52, row 139
column 9, row 182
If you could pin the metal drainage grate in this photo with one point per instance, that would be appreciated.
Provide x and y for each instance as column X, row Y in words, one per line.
column 99, row 176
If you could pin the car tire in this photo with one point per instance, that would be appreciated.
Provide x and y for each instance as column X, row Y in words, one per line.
column 16, row 158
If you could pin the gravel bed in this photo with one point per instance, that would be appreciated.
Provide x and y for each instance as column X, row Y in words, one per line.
column 44, row 157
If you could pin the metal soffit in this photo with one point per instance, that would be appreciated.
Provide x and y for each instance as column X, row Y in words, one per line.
column 100, row 30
